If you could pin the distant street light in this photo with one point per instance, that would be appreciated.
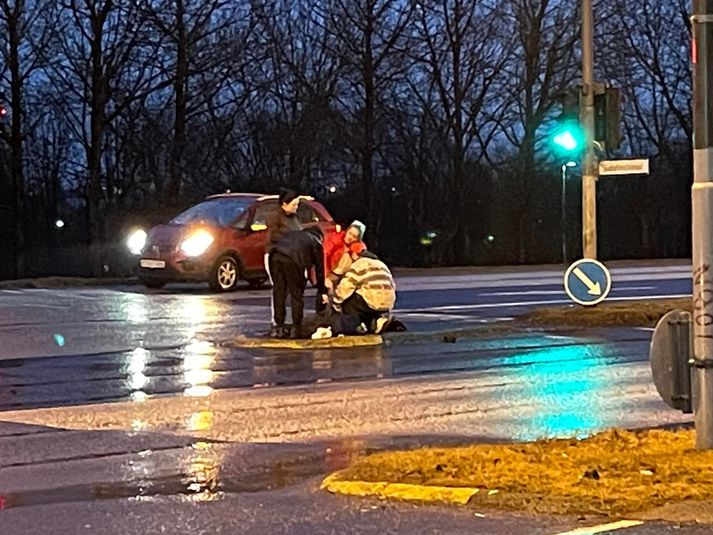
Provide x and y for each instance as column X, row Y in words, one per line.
column 332, row 189
column 59, row 223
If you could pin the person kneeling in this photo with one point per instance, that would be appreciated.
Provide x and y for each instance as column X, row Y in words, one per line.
column 367, row 290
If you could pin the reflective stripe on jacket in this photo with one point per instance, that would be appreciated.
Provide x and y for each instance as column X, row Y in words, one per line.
column 371, row 279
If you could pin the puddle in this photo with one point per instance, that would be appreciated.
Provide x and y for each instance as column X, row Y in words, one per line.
column 203, row 481
column 209, row 471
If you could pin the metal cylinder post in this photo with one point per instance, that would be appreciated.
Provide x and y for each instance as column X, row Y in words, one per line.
column 702, row 212
column 564, row 213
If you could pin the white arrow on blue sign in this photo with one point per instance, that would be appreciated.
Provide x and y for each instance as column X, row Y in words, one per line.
column 587, row 282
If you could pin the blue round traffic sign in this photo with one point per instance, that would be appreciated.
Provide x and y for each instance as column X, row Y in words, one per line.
column 587, row 281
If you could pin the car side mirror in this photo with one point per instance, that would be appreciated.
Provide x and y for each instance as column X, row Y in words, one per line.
column 257, row 227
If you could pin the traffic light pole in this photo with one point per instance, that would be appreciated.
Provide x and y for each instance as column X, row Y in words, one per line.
column 589, row 171
column 702, row 206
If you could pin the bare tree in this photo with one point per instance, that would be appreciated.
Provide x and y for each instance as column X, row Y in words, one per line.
column 543, row 65
column 107, row 62
column 462, row 60
column 25, row 31
column 294, row 119
column 371, row 38
column 646, row 51
column 195, row 42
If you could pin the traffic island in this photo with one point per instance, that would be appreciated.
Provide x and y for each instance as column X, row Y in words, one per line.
column 323, row 343
column 640, row 313
column 613, row 473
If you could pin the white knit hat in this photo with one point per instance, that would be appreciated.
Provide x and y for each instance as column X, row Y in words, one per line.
column 361, row 227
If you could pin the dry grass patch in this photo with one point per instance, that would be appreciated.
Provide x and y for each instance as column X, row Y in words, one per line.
column 630, row 313
column 612, row 473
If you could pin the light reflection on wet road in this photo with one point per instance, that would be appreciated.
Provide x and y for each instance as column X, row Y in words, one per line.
column 201, row 367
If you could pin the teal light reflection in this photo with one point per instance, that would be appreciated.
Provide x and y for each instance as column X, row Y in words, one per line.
column 564, row 384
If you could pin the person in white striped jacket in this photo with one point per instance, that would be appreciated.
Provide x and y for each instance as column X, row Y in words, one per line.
column 367, row 289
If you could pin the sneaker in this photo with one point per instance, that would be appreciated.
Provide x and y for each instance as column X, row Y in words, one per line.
column 275, row 331
column 321, row 333
column 295, row 332
column 284, row 333
column 381, row 323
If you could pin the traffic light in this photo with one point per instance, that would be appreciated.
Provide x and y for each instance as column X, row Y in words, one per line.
column 568, row 138
column 607, row 117
column 567, row 135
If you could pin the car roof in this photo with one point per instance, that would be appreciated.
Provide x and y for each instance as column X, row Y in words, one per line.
column 229, row 195
column 256, row 196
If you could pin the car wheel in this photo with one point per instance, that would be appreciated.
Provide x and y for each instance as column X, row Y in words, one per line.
column 225, row 275
column 153, row 283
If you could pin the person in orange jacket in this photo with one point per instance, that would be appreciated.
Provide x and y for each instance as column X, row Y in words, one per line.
column 336, row 251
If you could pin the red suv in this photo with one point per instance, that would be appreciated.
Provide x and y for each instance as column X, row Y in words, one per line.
column 219, row 240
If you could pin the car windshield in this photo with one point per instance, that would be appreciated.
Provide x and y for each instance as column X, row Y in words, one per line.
column 220, row 211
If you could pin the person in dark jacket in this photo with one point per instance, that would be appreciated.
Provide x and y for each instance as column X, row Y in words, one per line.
column 291, row 257
column 284, row 219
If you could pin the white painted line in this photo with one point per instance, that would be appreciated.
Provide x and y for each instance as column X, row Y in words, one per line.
column 561, row 292
column 603, row 528
column 529, row 292
column 642, row 297
column 530, row 303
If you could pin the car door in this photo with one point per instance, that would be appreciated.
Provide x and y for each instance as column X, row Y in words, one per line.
column 254, row 237
column 311, row 214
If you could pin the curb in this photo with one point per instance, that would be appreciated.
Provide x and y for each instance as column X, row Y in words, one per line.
column 398, row 491
column 325, row 343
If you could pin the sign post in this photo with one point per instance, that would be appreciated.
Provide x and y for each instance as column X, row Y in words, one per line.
column 702, row 197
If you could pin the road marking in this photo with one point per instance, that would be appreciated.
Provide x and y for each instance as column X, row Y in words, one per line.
column 560, row 292
column 531, row 303
column 603, row 528
column 528, row 292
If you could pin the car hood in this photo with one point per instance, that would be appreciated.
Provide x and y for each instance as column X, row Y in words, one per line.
column 171, row 234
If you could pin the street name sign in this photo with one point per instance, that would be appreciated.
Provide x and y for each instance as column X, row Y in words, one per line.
column 624, row 167
column 587, row 282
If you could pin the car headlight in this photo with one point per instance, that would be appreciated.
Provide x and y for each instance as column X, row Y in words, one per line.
column 136, row 241
column 197, row 243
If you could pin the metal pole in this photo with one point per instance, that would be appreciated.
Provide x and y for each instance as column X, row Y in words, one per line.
column 702, row 199
column 589, row 173
column 564, row 214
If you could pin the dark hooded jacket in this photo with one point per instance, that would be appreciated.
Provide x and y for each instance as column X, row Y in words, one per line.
column 305, row 250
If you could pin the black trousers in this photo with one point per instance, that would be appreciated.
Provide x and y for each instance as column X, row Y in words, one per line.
column 355, row 305
column 287, row 278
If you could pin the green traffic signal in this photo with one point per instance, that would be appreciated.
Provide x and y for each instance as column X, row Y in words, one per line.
column 568, row 138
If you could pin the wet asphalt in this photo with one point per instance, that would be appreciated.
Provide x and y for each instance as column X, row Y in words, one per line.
column 202, row 437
